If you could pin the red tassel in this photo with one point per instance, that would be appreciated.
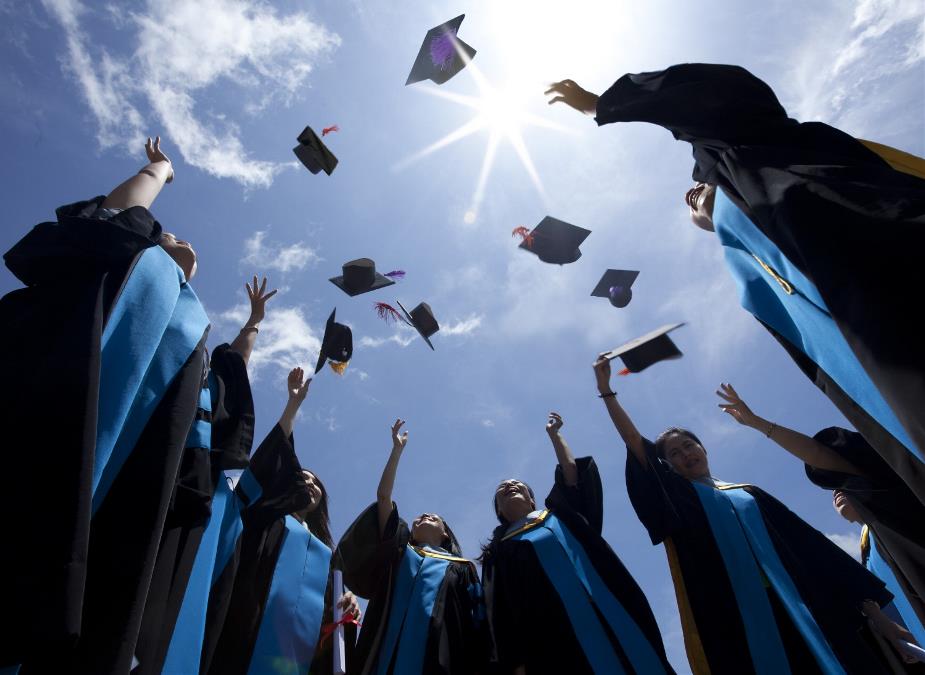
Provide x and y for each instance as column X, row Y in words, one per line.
column 524, row 234
column 387, row 313
column 327, row 130
column 625, row 371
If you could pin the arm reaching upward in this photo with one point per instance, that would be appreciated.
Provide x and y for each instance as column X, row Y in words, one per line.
column 298, row 390
column 144, row 187
column 387, row 482
column 563, row 453
column 243, row 344
column 618, row 416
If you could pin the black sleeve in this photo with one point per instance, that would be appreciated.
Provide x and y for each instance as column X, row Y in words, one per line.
column 365, row 556
column 585, row 498
column 509, row 632
column 272, row 486
column 876, row 474
column 652, row 490
column 232, row 408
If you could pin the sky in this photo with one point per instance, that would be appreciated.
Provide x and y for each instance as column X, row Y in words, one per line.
column 229, row 84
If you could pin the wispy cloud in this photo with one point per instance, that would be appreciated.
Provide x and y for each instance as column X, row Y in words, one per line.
column 404, row 335
column 182, row 49
column 262, row 255
column 846, row 542
column 462, row 327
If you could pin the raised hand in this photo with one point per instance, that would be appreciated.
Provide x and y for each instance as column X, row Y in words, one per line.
column 735, row 406
column 398, row 439
column 350, row 606
column 298, row 389
column 258, row 297
column 155, row 154
column 554, row 423
column 602, row 373
column 569, row 93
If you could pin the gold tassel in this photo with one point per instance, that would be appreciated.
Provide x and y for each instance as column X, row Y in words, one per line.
column 338, row 366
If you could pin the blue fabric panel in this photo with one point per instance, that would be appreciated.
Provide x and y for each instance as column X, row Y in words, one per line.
column 764, row 641
column 408, row 568
column 802, row 318
column 250, row 486
column 749, row 516
column 292, row 616
column 200, row 435
column 880, row 567
column 230, row 531
column 414, row 631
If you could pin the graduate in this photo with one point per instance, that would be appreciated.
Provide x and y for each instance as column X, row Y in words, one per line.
column 821, row 232
column 104, row 359
column 758, row 589
column 558, row 598
column 425, row 605
column 275, row 613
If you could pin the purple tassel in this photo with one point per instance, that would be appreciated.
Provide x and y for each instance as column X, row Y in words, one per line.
column 443, row 49
column 395, row 274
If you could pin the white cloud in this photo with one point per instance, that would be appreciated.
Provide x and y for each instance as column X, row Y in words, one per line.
column 488, row 423
column 848, row 543
column 463, row 327
column 182, row 49
column 263, row 255
column 400, row 340
column 404, row 334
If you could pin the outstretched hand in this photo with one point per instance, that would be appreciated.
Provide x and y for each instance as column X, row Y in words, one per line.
column 735, row 406
column 155, row 154
column 602, row 373
column 569, row 93
column 350, row 606
column 258, row 297
column 298, row 389
column 398, row 439
column 554, row 423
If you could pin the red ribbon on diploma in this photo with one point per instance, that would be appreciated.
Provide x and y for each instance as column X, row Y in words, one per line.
column 328, row 629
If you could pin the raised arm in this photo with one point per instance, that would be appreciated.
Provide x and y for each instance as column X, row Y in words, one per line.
column 799, row 445
column 243, row 344
column 618, row 416
column 387, row 482
column 563, row 453
column 298, row 390
column 142, row 188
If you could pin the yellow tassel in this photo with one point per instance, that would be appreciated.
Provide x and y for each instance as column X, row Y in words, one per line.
column 338, row 366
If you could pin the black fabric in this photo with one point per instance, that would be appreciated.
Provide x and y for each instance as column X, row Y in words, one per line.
column 277, row 469
column 370, row 562
column 831, row 583
column 232, row 409
column 848, row 221
column 519, row 596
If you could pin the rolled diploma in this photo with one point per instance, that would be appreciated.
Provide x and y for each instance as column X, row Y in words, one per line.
column 340, row 665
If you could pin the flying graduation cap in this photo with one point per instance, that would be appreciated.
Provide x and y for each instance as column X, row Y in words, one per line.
column 442, row 54
column 553, row 240
column 313, row 153
column 615, row 286
column 360, row 276
column 423, row 320
column 336, row 345
column 644, row 351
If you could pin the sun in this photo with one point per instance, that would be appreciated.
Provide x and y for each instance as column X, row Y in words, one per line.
column 501, row 112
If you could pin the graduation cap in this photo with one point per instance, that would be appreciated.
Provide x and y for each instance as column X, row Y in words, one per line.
column 651, row 348
column 336, row 345
column 615, row 286
column 313, row 153
column 442, row 54
column 360, row 276
column 554, row 241
column 422, row 319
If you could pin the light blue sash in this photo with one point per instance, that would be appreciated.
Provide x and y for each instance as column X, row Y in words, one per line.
column 877, row 565
column 292, row 615
column 581, row 590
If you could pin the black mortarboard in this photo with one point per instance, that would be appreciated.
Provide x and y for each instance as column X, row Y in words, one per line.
column 615, row 286
column 442, row 54
column 555, row 241
column 360, row 276
column 422, row 318
column 651, row 348
column 313, row 153
column 337, row 343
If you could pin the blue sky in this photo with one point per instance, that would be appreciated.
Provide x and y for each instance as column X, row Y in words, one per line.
column 229, row 84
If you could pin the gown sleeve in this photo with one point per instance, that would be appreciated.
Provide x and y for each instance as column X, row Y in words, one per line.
column 585, row 498
column 366, row 557
column 654, row 491
column 272, row 486
column 232, row 408
column 851, row 446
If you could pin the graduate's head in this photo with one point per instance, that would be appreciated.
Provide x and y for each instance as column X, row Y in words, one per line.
column 181, row 252
column 684, row 452
column 429, row 529
column 315, row 513
column 513, row 500
column 844, row 507
column 700, row 200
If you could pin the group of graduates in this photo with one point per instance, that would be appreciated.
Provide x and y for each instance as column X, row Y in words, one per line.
column 159, row 542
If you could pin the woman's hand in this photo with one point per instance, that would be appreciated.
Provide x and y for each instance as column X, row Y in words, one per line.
column 398, row 439
column 554, row 423
column 602, row 374
column 155, row 154
column 350, row 606
column 298, row 389
column 258, row 298
column 735, row 406
column 890, row 630
column 569, row 93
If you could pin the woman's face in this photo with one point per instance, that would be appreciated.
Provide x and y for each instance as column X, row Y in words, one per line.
column 514, row 500
column 181, row 252
column 844, row 507
column 686, row 456
column 428, row 528
column 314, row 491
column 700, row 199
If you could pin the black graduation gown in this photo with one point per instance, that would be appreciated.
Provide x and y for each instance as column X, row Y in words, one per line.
column 370, row 564
column 528, row 622
column 831, row 583
column 232, row 434
column 885, row 504
column 64, row 577
column 848, row 221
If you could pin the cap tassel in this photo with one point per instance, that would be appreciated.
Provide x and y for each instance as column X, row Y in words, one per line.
column 327, row 130
column 625, row 371
column 524, row 234
column 395, row 274
column 338, row 366
column 387, row 313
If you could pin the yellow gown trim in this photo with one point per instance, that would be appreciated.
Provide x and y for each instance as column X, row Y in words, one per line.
column 899, row 160
column 529, row 526
column 696, row 656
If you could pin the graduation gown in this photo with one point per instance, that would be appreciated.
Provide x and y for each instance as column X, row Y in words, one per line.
column 103, row 355
column 887, row 506
column 274, row 617
column 851, row 225
column 730, row 624
column 424, row 607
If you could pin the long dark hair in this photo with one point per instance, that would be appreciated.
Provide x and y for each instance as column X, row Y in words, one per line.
column 663, row 437
column 318, row 521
